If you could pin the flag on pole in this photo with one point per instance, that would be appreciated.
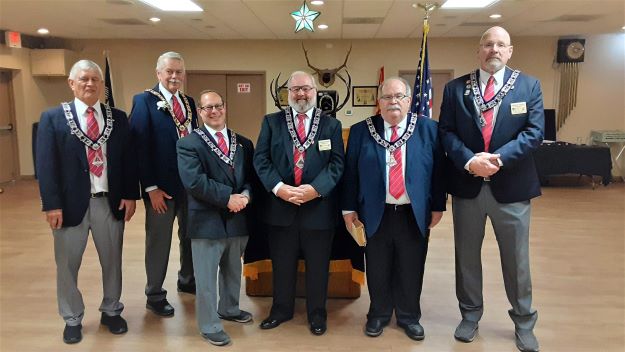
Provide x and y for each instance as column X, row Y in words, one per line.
column 422, row 92
column 380, row 80
column 108, row 85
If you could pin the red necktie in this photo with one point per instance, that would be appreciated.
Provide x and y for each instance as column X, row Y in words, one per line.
column 396, row 185
column 179, row 114
column 487, row 129
column 297, row 155
column 95, row 157
column 221, row 142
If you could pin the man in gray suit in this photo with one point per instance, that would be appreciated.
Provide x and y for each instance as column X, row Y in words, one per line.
column 215, row 166
column 491, row 120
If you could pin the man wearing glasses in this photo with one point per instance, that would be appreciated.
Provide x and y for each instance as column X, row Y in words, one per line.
column 215, row 166
column 393, row 184
column 491, row 120
column 159, row 117
column 299, row 159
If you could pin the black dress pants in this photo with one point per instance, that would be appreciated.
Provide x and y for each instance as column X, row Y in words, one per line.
column 395, row 260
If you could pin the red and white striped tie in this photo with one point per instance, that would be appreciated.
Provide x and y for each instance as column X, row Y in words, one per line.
column 396, row 185
column 301, row 134
column 221, row 142
column 179, row 114
column 95, row 157
column 487, row 129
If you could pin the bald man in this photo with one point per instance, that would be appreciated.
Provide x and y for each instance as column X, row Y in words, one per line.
column 491, row 120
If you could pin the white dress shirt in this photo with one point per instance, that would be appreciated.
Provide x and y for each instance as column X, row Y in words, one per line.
column 98, row 184
column 388, row 131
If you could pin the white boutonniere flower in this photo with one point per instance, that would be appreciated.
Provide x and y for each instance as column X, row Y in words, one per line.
column 161, row 105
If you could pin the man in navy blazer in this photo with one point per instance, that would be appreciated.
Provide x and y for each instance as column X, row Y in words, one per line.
column 159, row 117
column 393, row 184
column 299, row 159
column 88, row 182
column 491, row 120
column 215, row 166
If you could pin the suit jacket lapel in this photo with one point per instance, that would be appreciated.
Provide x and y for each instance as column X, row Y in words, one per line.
column 286, row 139
column 165, row 114
column 313, row 151
column 227, row 170
column 239, row 169
column 378, row 123
column 80, row 148
column 504, row 112
column 469, row 102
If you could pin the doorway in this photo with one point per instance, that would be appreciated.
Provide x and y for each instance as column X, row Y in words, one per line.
column 244, row 93
column 8, row 139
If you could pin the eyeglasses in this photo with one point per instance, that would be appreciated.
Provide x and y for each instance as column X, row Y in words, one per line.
column 491, row 45
column 304, row 89
column 396, row 97
column 209, row 108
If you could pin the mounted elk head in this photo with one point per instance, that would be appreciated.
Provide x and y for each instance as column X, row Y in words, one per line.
column 326, row 76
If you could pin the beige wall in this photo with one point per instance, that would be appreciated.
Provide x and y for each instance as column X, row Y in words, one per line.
column 133, row 63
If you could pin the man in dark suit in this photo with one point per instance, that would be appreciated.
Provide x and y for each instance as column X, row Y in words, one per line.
column 215, row 166
column 88, row 182
column 299, row 158
column 159, row 117
column 393, row 183
column 490, row 122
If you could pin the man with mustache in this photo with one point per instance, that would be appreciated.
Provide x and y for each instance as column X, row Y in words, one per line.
column 88, row 181
column 393, row 184
column 299, row 159
column 159, row 117
column 491, row 120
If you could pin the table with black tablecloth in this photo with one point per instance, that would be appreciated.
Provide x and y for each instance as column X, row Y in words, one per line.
column 565, row 158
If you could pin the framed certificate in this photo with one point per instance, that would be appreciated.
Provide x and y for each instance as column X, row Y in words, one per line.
column 364, row 95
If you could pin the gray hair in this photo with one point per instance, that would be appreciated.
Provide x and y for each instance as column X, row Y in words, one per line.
column 395, row 78
column 84, row 65
column 170, row 55
column 298, row 73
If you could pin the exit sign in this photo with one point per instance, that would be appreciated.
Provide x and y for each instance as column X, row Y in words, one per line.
column 244, row 87
column 13, row 39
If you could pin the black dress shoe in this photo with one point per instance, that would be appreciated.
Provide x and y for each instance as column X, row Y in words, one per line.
column 72, row 334
column 116, row 324
column 318, row 327
column 186, row 288
column 414, row 331
column 374, row 328
column 162, row 308
column 270, row 323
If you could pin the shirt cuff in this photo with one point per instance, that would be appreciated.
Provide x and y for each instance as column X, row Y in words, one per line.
column 151, row 188
column 345, row 212
column 466, row 166
column 277, row 187
column 246, row 193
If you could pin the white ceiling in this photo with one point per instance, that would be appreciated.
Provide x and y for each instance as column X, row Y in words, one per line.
column 270, row 19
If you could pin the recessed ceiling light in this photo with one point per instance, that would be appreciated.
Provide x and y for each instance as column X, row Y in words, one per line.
column 322, row 26
column 174, row 5
column 155, row 19
column 623, row 28
column 495, row 15
column 317, row 2
column 43, row 31
column 459, row 4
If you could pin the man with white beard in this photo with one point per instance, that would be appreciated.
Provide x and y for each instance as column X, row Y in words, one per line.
column 299, row 160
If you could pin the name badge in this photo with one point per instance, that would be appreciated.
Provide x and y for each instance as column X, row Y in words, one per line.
column 325, row 144
column 518, row 108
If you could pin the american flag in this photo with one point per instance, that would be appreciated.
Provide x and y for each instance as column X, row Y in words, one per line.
column 108, row 85
column 422, row 92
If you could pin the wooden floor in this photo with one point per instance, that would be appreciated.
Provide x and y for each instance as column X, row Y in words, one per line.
column 577, row 258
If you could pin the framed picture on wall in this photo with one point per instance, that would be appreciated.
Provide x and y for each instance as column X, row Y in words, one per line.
column 364, row 95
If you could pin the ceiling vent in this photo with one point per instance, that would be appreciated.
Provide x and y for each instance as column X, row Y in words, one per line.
column 479, row 24
column 119, row 2
column 363, row 20
column 576, row 18
column 123, row 21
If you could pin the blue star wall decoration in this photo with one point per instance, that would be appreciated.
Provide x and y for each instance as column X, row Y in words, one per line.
column 304, row 18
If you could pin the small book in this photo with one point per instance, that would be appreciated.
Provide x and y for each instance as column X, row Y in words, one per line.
column 358, row 233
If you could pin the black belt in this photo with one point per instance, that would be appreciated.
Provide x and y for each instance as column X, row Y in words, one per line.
column 398, row 207
column 99, row 194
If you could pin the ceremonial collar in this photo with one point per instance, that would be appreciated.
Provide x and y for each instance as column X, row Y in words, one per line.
column 474, row 85
column 314, row 126
column 106, row 133
column 412, row 122
column 167, row 106
column 228, row 159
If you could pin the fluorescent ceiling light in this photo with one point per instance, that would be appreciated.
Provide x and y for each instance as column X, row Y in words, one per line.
column 317, row 2
column 322, row 26
column 43, row 31
column 155, row 19
column 174, row 5
column 465, row 4
column 495, row 15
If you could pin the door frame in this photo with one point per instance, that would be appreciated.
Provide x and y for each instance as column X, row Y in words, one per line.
column 13, row 121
